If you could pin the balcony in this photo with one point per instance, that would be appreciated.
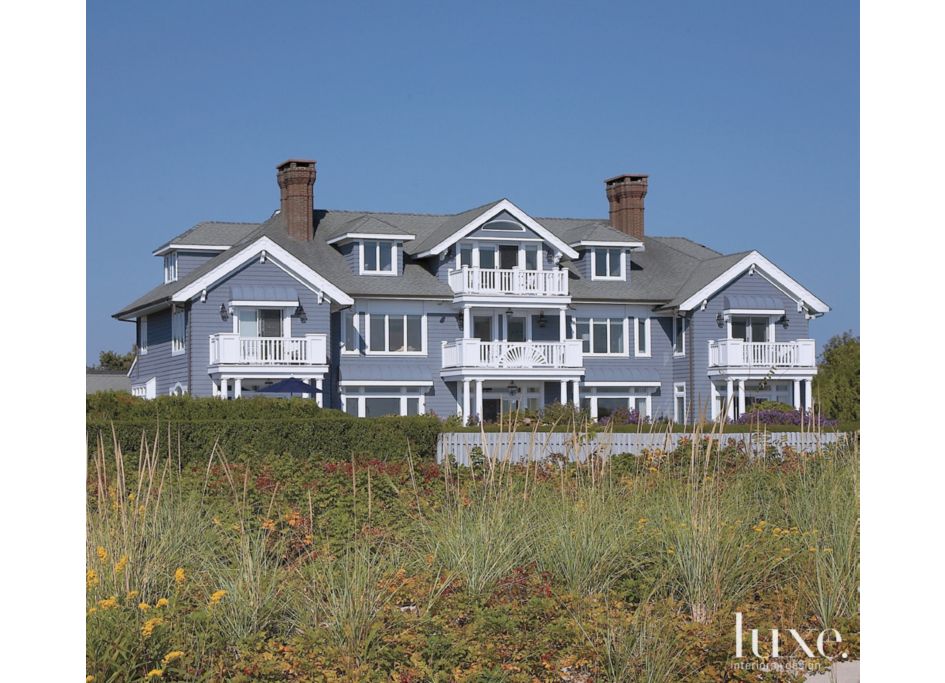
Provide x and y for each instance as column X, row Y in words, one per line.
column 735, row 353
column 502, row 355
column 509, row 282
column 232, row 349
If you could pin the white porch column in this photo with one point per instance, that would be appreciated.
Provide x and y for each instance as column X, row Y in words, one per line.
column 467, row 322
column 797, row 394
column 564, row 391
column 575, row 397
column 237, row 387
column 562, row 321
column 729, row 400
column 215, row 388
column 465, row 414
column 808, row 394
column 714, row 399
column 479, row 400
column 741, row 397
column 319, row 396
column 224, row 387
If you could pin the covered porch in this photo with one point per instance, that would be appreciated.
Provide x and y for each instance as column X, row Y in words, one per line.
column 733, row 396
column 487, row 398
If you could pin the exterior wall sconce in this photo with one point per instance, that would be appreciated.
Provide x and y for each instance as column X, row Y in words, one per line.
column 541, row 319
column 509, row 312
column 720, row 320
column 460, row 320
column 224, row 314
column 300, row 313
column 512, row 388
column 783, row 321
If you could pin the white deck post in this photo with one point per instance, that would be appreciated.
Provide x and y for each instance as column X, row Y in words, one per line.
column 467, row 322
column 797, row 394
column 562, row 322
column 564, row 391
column 215, row 388
column 479, row 400
column 465, row 414
column 575, row 397
column 714, row 399
column 729, row 399
column 808, row 395
column 237, row 387
column 319, row 396
column 224, row 387
column 741, row 397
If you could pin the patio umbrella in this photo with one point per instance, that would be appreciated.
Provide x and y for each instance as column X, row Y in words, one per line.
column 290, row 386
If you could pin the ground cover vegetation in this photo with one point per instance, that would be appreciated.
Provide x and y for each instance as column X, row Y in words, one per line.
column 221, row 565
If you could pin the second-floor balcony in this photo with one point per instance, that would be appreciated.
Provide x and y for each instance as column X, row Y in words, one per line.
column 473, row 353
column 231, row 349
column 735, row 353
column 509, row 281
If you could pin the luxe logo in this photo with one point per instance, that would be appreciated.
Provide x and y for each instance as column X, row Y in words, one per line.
column 776, row 641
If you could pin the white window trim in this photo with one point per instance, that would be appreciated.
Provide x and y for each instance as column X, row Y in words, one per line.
column 366, row 335
column 679, row 391
column 685, row 329
column 356, row 318
column 771, row 325
column 175, row 388
column 178, row 331
column 607, row 250
column 626, row 335
column 170, row 267
column 647, row 338
column 287, row 312
column 402, row 392
column 523, row 246
column 630, row 396
column 143, row 333
column 146, row 390
column 394, row 247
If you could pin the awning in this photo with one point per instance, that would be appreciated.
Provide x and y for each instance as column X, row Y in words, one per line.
column 744, row 302
column 601, row 372
column 389, row 371
column 270, row 295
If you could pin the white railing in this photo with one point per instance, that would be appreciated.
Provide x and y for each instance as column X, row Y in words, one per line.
column 228, row 348
column 473, row 353
column 517, row 281
column 738, row 353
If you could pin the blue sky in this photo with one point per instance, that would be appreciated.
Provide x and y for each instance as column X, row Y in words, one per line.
column 745, row 115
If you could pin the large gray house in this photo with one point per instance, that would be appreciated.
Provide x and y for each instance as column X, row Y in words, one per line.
column 472, row 313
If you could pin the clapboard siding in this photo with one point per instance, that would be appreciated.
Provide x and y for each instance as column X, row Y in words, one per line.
column 158, row 362
column 191, row 260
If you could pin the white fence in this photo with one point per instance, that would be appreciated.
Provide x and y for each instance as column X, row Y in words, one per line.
column 520, row 446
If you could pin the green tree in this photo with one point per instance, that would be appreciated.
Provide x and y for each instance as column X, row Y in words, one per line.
column 110, row 360
column 837, row 383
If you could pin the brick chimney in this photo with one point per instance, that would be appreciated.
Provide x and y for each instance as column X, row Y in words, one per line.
column 625, row 194
column 296, row 178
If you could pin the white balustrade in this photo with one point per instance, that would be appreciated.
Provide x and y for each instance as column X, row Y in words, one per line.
column 516, row 281
column 473, row 353
column 232, row 349
column 738, row 353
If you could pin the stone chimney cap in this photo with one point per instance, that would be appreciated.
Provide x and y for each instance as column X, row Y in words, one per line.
column 627, row 176
column 295, row 163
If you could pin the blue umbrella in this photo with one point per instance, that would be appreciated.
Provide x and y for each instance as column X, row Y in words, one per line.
column 290, row 386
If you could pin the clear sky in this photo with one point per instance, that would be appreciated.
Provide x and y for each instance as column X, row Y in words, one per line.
column 744, row 113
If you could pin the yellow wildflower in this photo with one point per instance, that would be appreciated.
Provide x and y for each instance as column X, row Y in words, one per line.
column 217, row 597
column 171, row 656
column 120, row 565
column 155, row 673
column 828, row 550
column 150, row 625
column 133, row 594
column 91, row 579
column 102, row 553
column 162, row 602
column 293, row 518
column 216, row 520
column 812, row 549
column 309, row 539
column 108, row 603
column 143, row 606
column 92, row 610
column 268, row 524
column 89, row 679
column 179, row 575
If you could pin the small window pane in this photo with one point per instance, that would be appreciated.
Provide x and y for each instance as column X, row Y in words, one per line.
column 376, row 407
column 759, row 330
column 739, row 328
column 482, row 327
column 584, row 334
column 600, row 336
column 413, row 406
column 641, row 335
column 352, row 337
column 614, row 265
column 386, row 252
column 414, row 333
column 531, row 257
column 600, row 263
column 640, row 406
column 486, row 257
column 607, row 406
column 396, row 333
column 616, row 335
column 377, row 332
column 351, row 406
column 466, row 256
column 370, row 255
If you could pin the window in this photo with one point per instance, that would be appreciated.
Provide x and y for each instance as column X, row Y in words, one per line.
column 531, row 256
column 351, row 340
column 604, row 401
column 376, row 401
column 679, row 402
column 482, row 327
column 259, row 322
column 679, row 336
column 143, row 335
column 487, row 258
column 178, row 331
column 607, row 264
column 170, row 267
column 377, row 256
column 465, row 256
column 377, row 407
column 602, row 336
column 641, row 331
column 389, row 333
column 750, row 329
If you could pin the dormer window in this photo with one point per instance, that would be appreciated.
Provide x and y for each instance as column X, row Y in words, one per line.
column 170, row 267
column 608, row 263
column 378, row 257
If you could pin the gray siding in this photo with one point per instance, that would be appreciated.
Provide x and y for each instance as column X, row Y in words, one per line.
column 188, row 261
column 158, row 361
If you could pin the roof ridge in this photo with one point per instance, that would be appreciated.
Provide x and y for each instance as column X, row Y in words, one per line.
column 412, row 213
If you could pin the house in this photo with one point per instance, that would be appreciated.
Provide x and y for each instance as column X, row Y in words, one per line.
column 472, row 313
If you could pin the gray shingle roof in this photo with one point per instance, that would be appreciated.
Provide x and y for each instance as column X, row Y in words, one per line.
column 667, row 272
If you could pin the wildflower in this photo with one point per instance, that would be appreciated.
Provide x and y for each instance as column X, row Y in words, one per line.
column 217, row 597
column 92, row 610
column 812, row 549
column 179, row 575
column 162, row 602
column 293, row 518
column 143, row 606
column 216, row 521
column 102, row 553
column 268, row 524
column 671, row 551
column 155, row 673
column 171, row 656
column 89, row 679
column 132, row 595
column 91, row 579
column 120, row 565
column 828, row 550
column 150, row 625
column 308, row 540
column 108, row 603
